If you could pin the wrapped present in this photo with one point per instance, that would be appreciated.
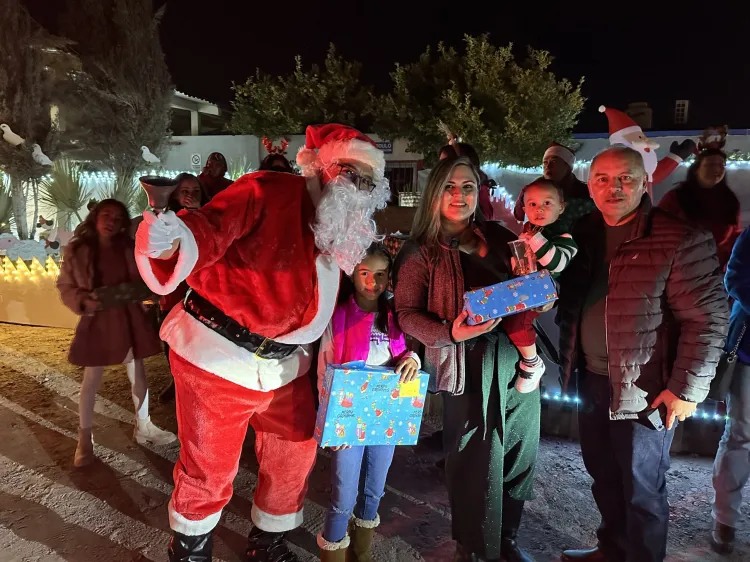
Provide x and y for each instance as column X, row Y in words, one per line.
column 365, row 405
column 510, row 297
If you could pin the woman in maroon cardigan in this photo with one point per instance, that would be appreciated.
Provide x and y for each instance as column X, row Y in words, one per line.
column 491, row 431
column 706, row 200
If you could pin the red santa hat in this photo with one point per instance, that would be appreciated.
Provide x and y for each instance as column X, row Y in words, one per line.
column 620, row 124
column 334, row 143
column 562, row 152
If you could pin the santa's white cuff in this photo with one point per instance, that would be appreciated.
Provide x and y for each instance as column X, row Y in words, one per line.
column 186, row 260
column 190, row 527
column 275, row 523
column 677, row 158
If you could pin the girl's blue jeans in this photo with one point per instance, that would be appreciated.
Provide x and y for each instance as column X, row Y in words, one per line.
column 357, row 484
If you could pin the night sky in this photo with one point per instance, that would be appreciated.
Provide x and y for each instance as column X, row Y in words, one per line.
column 691, row 50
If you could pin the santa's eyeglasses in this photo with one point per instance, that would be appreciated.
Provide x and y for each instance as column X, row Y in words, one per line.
column 350, row 173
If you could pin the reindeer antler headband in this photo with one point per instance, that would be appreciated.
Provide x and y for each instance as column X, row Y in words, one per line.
column 271, row 149
column 713, row 137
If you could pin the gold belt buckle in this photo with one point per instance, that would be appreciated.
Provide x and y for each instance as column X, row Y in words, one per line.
column 260, row 348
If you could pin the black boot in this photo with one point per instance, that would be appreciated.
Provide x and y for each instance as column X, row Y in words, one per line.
column 264, row 546
column 184, row 548
column 512, row 512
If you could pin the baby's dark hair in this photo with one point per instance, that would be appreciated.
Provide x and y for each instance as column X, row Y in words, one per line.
column 518, row 211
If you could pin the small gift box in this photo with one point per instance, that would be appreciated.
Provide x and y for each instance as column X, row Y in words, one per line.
column 365, row 405
column 510, row 297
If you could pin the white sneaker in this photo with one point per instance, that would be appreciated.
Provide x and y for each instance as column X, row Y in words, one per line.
column 147, row 432
column 529, row 376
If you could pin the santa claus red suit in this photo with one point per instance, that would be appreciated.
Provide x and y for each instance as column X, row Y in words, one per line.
column 263, row 262
column 623, row 130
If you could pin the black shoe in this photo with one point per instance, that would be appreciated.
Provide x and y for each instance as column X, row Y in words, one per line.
column 512, row 553
column 722, row 538
column 167, row 394
column 590, row 555
column 184, row 548
column 263, row 546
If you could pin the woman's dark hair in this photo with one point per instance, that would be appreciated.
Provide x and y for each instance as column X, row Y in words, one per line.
column 85, row 235
column 174, row 203
column 271, row 160
column 384, row 304
column 690, row 204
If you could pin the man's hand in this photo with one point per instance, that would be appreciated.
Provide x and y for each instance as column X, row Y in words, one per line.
column 676, row 409
column 461, row 331
column 545, row 307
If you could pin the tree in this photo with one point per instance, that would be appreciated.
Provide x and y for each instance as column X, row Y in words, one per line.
column 276, row 106
column 27, row 83
column 120, row 101
column 509, row 111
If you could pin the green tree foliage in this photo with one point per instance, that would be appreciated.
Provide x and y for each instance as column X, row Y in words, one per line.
column 27, row 83
column 510, row 111
column 276, row 106
column 121, row 99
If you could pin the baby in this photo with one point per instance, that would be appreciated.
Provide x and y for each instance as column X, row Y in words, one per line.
column 542, row 202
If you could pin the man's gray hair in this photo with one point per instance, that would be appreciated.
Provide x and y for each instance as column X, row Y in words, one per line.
column 621, row 150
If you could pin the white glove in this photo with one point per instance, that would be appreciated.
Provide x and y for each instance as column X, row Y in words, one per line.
column 157, row 234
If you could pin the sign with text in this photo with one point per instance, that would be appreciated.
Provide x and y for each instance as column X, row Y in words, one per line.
column 386, row 146
column 195, row 161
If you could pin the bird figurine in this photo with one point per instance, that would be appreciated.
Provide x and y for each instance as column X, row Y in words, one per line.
column 148, row 156
column 40, row 157
column 10, row 137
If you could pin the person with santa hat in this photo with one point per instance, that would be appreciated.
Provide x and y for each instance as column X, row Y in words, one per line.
column 623, row 130
column 557, row 165
column 263, row 261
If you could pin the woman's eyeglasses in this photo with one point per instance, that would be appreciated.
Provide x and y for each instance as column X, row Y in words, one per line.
column 361, row 182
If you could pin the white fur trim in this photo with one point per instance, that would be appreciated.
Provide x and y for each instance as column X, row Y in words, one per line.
column 275, row 523
column 602, row 108
column 618, row 137
column 186, row 260
column 189, row 527
column 329, row 276
column 357, row 150
column 367, row 524
column 674, row 157
column 204, row 348
column 331, row 546
column 562, row 153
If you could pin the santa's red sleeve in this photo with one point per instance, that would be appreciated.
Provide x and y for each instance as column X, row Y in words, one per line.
column 205, row 236
column 666, row 166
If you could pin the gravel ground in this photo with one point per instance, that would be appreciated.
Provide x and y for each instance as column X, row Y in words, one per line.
column 116, row 510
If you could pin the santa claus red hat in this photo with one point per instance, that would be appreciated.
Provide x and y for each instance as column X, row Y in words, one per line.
column 334, row 143
column 562, row 152
column 620, row 124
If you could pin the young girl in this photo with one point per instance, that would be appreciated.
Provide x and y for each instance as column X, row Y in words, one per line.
column 362, row 328
column 110, row 331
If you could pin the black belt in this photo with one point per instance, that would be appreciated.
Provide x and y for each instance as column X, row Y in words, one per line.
column 211, row 317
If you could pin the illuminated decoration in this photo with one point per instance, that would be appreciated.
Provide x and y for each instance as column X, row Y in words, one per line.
column 21, row 273
column 572, row 399
column 732, row 164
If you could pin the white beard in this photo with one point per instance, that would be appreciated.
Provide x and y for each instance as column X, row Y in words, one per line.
column 344, row 227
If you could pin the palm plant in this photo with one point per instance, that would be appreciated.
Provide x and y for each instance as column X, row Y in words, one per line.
column 238, row 167
column 6, row 207
column 65, row 191
column 125, row 189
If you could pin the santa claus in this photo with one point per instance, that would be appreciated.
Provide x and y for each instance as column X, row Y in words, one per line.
column 623, row 130
column 263, row 262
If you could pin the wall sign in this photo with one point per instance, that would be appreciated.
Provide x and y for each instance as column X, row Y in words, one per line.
column 386, row 146
column 195, row 161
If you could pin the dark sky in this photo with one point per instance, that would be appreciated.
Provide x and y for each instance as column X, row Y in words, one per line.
column 654, row 51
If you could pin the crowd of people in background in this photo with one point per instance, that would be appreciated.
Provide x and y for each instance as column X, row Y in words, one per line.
column 644, row 318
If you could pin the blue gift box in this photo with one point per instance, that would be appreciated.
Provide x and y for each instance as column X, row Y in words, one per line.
column 365, row 405
column 510, row 297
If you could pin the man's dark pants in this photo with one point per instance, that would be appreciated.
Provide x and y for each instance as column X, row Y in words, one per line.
column 628, row 462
